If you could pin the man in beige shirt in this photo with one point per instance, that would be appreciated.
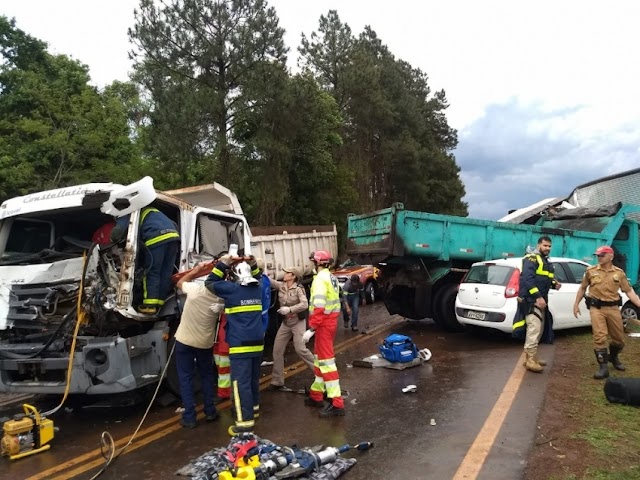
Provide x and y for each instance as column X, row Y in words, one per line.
column 194, row 344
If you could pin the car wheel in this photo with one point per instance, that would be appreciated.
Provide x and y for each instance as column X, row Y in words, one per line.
column 446, row 309
column 370, row 293
column 629, row 312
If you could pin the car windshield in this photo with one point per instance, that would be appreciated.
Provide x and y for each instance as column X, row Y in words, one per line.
column 348, row 264
column 489, row 275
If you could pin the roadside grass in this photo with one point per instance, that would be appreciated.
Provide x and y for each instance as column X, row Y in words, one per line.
column 611, row 430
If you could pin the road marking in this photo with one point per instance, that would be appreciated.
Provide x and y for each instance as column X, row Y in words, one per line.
column 477, row 454
column 165, row 427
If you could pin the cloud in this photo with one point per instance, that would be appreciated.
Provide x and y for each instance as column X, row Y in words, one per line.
column 519, row 153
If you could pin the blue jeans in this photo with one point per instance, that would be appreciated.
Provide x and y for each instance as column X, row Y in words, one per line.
column 187, row 360
column 354, row 303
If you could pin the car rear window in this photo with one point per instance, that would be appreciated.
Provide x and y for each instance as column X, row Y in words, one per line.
column 489, row 275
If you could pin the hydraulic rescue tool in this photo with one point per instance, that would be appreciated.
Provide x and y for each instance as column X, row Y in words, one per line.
column 291, row 463
column 26, row 434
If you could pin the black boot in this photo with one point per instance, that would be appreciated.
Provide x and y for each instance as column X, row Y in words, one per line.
column 602, row 356
column 614, row 350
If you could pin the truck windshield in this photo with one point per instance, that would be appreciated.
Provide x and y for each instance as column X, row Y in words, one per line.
column 49, row 236
column 489, row 275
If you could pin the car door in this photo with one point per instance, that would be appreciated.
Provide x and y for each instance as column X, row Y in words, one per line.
column 569, row 274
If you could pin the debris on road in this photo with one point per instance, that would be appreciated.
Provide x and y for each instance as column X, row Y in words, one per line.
column 410, row 389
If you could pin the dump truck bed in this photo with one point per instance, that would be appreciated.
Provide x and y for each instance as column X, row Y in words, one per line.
column 394, row 232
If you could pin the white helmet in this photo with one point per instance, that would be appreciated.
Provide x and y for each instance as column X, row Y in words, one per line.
column 242, row 274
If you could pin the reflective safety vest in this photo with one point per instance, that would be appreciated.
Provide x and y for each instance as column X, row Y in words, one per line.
column 325, row 293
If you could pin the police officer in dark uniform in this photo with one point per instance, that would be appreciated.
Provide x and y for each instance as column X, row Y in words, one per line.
column 536, row 280
column 604, row 281
column 244, row 333
column 162, row 241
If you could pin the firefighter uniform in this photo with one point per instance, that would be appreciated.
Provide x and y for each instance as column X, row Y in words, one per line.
column 324, row 310
column 245, row 336
column 604, row 301
column 536, row 280
column 160, row 235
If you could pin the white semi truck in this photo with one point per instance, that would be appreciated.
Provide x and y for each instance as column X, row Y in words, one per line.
column 47, row 258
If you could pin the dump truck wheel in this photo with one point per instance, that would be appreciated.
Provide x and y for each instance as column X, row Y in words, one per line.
column 446, row 309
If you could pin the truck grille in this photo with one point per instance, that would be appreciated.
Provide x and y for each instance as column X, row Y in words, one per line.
column 32, row 307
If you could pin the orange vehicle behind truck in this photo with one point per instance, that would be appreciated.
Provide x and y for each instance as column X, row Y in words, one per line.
column 369, row 277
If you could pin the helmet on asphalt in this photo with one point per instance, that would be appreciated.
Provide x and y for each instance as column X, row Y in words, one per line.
column 321, row 257
column 241, row 273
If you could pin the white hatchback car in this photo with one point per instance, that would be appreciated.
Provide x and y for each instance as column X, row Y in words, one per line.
column 487, row 296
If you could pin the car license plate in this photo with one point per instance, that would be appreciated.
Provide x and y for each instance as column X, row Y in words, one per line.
column 475, row 315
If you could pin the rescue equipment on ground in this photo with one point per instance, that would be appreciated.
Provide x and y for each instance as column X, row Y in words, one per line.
column 398, row 348
column 249, row 457
column 26, row 434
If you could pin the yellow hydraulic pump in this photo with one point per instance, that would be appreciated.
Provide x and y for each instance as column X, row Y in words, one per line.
column 26, row 434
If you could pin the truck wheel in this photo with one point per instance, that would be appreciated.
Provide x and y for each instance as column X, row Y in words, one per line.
column 370, row 293
column 446, row 309
column 629, row 312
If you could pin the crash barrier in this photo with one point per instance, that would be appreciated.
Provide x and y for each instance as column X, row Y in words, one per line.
column 623, row 390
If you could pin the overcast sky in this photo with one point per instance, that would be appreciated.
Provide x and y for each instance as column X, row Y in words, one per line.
column 544, row 94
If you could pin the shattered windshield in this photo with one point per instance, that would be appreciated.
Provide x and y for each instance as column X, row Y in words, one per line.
column 46, row 237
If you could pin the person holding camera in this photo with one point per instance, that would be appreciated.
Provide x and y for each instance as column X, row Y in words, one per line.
column 293, row 310
column 604, row 281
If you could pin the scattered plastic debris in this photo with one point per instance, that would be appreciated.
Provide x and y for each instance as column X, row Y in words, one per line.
column 266, row 364
column 149, row 375
column 410, row 389
column 179, row 409
column 354, row 401
column 425, row 354
column 349, row 365
column 432, row 422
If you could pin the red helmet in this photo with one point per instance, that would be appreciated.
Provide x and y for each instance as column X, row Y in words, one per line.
column 322, row 257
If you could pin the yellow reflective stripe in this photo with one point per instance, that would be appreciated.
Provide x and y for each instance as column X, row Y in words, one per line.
column 540, row 270
column 153, row 301
column 244, row 308
column 224, row 381
column 320, row 297
column 146, row 212
column 161, row 238
column 533, row 290
column 255, row 271
column 223, row 361
column 217, row 272
column 333, row 388
column 248, row 423
column 519, row 324
column 328, row 368
column 236, row 402
column 551, row 275
column 248, row 349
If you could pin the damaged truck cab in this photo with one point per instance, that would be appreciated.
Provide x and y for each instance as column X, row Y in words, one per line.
column 51, row 272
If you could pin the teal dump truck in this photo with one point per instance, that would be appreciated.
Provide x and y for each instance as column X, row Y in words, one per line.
column 424, row 256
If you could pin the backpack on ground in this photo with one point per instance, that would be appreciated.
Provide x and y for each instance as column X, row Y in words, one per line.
column 398, row 348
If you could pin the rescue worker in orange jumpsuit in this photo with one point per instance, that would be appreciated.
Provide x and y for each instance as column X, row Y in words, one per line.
column 324, row 308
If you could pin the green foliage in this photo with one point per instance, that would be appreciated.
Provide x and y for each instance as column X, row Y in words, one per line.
column 56, row 129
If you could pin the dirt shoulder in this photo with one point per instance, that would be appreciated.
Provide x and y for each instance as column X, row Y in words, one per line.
column 580, row 434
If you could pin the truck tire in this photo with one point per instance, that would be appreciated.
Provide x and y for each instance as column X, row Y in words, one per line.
column 370, row 292
column 446, row 309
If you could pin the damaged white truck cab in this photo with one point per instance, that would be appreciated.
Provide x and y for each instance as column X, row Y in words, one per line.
column 47, row 256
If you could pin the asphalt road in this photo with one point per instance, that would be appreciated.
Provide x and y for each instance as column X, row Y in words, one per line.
column 473, row 415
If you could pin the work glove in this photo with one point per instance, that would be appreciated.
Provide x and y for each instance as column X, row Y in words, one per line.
column 284, row 310
column 306, row 336
column 226, row 259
